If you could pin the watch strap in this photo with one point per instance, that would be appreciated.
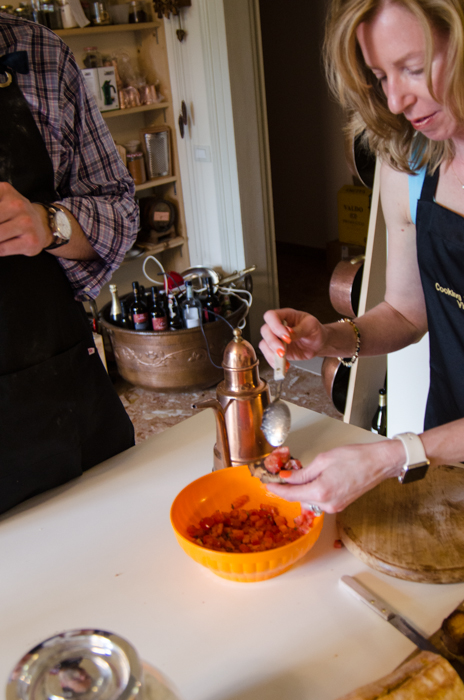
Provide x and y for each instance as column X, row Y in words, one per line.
column 59, row 240
column 417, row 464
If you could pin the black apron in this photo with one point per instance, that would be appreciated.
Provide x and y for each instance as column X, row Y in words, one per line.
column 440, row 252
column 59, row 412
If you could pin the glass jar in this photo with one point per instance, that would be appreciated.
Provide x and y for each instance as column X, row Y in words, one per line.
column 92, row 57
column 99, row 14
column 136, row 167
column 136, row 12
column 86, row 664
column 49, row 14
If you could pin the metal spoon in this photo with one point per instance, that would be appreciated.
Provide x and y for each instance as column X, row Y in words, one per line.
column 276, row 418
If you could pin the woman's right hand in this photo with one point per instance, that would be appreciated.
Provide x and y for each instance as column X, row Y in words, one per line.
column 304, row 335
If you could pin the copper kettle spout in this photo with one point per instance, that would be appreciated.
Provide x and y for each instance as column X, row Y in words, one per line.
column 222, row 449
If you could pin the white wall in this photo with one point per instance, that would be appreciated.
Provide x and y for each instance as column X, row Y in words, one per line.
column 408, row 386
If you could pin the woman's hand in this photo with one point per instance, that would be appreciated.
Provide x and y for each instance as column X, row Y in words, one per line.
column 336, row 478
column 304, row 335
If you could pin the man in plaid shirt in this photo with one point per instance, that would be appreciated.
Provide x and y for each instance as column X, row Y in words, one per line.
column 67, row 217
column 90, row 179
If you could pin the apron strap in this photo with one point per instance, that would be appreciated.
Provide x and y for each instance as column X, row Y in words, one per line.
column 430, row 187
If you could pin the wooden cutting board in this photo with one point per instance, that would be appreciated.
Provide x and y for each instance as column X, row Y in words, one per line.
column 412, row 531
column 398, row 683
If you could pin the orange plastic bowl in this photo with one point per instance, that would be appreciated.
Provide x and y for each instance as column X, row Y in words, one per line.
column 216, row 491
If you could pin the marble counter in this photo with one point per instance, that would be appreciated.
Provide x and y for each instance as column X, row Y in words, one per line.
column 153, row 412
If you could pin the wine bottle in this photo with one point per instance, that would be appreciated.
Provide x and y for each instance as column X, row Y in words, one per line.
column 139, row 311
column 226, row 306
column 126, row 320
column 212, row 305
column 116, row 309
column 379, row 421
column 175, row 316
column 191, row 307
column 159, row 319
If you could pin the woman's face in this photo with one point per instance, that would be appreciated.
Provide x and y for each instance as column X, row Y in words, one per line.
column 393, row 45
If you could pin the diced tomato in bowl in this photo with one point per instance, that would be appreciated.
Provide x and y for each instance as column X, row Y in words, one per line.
column 270, row 547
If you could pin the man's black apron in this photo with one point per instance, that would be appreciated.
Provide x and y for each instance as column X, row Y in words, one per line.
column 59, row 412
column 440, row 251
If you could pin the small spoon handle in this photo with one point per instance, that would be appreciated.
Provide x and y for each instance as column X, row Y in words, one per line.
column 280, row 367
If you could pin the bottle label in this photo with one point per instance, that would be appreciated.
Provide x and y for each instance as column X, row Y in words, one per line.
column 191, row 317
column 209, row 317
column 140, row 322
column 159, row 324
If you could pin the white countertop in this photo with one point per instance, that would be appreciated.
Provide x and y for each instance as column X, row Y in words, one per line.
column 100, row 552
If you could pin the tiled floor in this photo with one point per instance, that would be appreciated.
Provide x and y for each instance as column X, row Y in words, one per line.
column 152, row 412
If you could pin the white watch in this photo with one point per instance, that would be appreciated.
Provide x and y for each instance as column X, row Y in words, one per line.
column 60, row 226
column 416, row 464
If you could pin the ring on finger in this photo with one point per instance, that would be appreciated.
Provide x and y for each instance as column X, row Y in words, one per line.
column 313, row 508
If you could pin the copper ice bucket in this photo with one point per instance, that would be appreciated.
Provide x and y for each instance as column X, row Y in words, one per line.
column 171, row 360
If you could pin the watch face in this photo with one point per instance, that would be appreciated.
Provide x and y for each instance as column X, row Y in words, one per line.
column 63, row 225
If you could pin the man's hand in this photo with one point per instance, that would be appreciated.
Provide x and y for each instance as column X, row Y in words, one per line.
column 24, row 228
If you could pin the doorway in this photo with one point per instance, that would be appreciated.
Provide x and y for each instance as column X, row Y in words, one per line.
column 307, row 168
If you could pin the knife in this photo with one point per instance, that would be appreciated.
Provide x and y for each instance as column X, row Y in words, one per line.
column 382, row 608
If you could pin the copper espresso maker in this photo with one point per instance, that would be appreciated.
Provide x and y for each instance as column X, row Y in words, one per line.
column 242, row 398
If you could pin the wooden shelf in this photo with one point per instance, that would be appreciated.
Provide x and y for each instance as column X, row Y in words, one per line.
column 134, row 110
column 151, row 249
column 107, row 29
column 155, row 183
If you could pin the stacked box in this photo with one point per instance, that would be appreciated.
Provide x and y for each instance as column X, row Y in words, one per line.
column 354, row 205
column 101, row 83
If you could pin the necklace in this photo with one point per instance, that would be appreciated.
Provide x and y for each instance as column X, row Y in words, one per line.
column 455, row 175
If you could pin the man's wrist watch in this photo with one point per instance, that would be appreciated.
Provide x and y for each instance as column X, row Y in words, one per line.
column 60, row 226
column 416, row 465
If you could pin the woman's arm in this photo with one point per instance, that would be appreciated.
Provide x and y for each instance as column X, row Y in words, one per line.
column 393, row 324
column 336, row 478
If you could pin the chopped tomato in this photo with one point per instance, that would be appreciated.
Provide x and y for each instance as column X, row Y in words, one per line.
column 304, row 522
column 277, row 459
column 256, row 530
column 338, row 544
column 293, row 464
column 240, row 501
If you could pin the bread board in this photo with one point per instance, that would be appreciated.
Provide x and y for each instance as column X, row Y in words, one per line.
column 410, row 531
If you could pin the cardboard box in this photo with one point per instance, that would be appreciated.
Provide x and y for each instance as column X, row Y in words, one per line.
column 101, row 83
column 108, row 88
column 337, row 251
column 354, row 205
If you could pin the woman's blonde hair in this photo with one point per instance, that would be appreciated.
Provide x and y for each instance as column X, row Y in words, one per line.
column 389, row 135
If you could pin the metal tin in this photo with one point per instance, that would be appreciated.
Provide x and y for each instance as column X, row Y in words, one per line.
column 82, row 664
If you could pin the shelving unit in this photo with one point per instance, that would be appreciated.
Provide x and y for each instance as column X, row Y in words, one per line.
column 145, row 45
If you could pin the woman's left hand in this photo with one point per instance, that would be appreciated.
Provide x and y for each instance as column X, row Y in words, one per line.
column 336, row 478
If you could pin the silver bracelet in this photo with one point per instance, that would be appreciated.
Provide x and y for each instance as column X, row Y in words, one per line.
column 350, row 363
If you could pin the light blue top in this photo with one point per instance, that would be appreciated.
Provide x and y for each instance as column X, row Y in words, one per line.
column 415, row 189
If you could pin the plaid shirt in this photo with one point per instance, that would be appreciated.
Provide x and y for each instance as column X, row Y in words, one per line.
column 90, row 177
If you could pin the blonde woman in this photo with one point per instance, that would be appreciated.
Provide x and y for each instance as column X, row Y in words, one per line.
column 397, row 67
